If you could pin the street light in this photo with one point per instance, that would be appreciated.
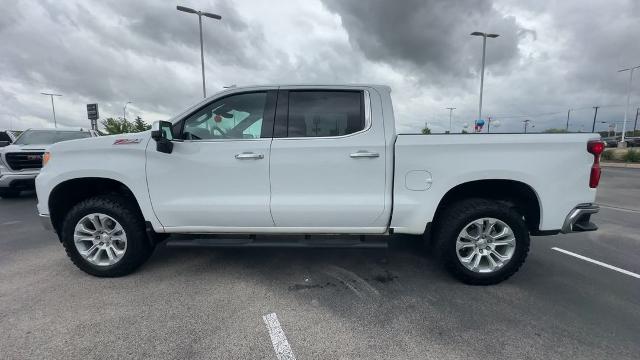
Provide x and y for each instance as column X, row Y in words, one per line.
column 626, row 109
column 124, row 110
column 55, row 123
column 200, row 15
column 526, row 125
column 450, row 114
column 484, row 50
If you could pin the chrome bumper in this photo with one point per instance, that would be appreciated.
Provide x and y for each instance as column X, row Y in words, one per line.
column 45, row 220
column 7, row 178
column 578, row 219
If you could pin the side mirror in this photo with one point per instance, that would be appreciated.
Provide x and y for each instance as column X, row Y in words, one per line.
column 161, row 133
column 4, row 143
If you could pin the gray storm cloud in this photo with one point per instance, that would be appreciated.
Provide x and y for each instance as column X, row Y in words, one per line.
column 550, row 56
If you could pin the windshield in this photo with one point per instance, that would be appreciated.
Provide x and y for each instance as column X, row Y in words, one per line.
column 46, row 137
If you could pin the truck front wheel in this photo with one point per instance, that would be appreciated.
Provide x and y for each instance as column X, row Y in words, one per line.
column 105, row 236
column 482, row 242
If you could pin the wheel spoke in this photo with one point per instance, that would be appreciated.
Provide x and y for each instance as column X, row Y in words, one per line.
column 110, row 254
column 89, row 251
column 492, row 263
column 465, row 235
column 467, row 259
column 463, row 245
column 476, row 262
column 117, row 252
column 95, row 220
column 84, row 229
column 499, row 256
column 510, row 241
column 487, row 226
column 96, row 256
column 505, row 231
column 80, row 238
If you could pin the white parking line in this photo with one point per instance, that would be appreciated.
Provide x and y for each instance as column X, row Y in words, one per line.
column 618, row 208
column 11, row 223
column 626, row 272
column 278, row 339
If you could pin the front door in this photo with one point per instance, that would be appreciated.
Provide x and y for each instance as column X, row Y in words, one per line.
column 217, row 176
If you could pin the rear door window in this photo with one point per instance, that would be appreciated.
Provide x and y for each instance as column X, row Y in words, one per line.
column 325, row 113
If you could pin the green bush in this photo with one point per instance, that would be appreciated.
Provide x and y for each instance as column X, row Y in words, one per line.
column 607, row 155
column 632, row 156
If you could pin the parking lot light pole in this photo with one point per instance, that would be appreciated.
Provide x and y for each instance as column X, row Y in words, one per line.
column 55, row 122
column 450, row 114
column 595, row 115
column 200, row 15
column 484, row 51
column 626, row 109
column 526, row 125
column 124, row 110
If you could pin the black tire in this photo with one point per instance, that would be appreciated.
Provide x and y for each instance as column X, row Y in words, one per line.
column 122, row 210
column 9, row 193
column 458, row 215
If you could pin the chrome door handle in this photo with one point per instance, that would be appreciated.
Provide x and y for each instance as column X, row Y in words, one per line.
column 249, row 156
column 364, row 154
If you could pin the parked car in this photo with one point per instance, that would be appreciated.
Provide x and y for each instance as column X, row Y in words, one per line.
column 611, row 141
column 21, row 161
column 632, row 141
column 7, row 137
column 306, row 161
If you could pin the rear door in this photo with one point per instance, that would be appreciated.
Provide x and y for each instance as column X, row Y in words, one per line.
column 327, row 162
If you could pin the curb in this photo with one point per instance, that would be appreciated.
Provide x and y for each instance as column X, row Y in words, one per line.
column 620, row 165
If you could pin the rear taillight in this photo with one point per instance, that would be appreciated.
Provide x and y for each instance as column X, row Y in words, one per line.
column 595, row 147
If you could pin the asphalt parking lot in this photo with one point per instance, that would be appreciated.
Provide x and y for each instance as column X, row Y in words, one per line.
column 330, row 303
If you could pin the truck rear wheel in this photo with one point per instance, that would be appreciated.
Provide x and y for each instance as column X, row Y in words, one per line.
column 482, row 242
column 105, row 236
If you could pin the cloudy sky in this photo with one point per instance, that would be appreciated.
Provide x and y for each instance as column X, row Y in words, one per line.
column 551, row 56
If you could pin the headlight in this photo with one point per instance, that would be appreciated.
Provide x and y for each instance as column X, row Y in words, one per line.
column 45, row 158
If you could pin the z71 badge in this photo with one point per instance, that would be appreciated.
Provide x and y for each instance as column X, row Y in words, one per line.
column 127, row 141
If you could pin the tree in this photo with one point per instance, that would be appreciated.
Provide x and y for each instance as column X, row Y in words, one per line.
column 426, row 131
column 139, row 125
column 555, row 130
column 120, row 125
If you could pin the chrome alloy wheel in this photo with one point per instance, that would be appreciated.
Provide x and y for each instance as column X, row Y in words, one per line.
column 485, row 245
column 100, row 239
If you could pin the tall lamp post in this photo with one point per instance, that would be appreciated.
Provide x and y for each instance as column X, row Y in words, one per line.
column 450, row 114
column 55, row 122
column 124, row 110
column 484, row 51
column 200, row 15
column 526, row 125
column 626, row 109
column 595, row 115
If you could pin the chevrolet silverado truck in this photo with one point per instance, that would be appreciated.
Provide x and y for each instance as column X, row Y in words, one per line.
column 20, row 162
column 316, row 164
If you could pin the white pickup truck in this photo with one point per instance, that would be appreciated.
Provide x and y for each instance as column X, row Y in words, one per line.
column 276, row 163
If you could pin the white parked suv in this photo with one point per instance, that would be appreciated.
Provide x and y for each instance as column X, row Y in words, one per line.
column 289, row 165
column 21, row 161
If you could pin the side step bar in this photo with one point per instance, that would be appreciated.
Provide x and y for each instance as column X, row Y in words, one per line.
column 278, row 241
